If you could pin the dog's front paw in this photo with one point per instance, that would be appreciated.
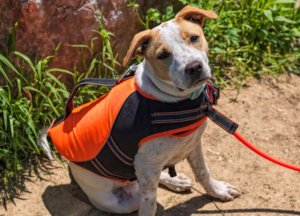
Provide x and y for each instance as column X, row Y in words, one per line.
column 179, row 183
column 222, row 190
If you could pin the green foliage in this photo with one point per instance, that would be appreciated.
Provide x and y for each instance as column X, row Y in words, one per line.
column 250, row 37
column 30, row 97
column 99, row 66
column 153, row 14
column 102, row 66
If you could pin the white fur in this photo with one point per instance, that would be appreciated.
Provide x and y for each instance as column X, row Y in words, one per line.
column 43, row 143
column 182, row 54
column 152, row 156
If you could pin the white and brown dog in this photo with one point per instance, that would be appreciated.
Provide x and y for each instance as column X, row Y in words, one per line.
column 170, row 51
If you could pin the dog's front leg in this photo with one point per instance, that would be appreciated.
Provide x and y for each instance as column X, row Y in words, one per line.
column 148, row 173
column 218, row 189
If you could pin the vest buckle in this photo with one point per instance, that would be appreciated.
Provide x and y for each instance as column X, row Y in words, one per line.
column 212, row 93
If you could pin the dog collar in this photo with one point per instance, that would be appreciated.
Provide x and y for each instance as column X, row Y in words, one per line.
column 195, row 94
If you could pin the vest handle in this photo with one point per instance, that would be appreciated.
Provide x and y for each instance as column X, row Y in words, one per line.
column 97, row 82
column 89, row 81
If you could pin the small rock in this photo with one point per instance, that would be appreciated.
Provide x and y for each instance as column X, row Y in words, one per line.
column 279, row 110
column 230, row 161
column 220, row 158
column 286, row 150
column 212, row 152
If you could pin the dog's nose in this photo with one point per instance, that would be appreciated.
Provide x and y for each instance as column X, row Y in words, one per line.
column 194, row 68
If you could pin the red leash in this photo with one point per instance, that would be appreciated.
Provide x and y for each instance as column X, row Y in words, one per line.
column 265, row 155
column 258, row 151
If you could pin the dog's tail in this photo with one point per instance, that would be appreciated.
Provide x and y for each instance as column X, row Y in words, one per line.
column 43, row 142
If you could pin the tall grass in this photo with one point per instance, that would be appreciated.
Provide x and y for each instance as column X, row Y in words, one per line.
column 31, row 97
column 103, row 64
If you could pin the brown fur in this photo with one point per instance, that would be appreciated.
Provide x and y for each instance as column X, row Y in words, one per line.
column 189, row 29
column 196, row 14
column 137, row 46
column 156, row 47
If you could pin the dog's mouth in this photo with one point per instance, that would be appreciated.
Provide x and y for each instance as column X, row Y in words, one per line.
column 196, row 83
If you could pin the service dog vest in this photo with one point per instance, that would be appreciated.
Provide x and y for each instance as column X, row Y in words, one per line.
column 103, row 136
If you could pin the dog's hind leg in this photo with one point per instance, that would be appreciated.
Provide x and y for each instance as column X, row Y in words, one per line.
column 179, row 183
column 105, row 194
column 218, row 189
column 121, row 200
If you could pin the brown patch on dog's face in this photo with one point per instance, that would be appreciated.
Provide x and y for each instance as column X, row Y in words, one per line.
column 156, row 47
column 150, row 45
column 190, row 29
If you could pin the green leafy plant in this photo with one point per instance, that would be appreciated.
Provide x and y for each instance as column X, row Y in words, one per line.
column 103, row 64
column 30, row 98
column 153, row 14
column 103, row 60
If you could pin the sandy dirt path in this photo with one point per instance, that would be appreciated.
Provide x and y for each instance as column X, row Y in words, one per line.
column 268, row 113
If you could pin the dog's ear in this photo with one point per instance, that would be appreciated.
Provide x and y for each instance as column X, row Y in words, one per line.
column 195, row 14
column 137, row 46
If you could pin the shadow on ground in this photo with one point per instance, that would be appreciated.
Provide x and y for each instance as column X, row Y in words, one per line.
column 70, row 200
column 11, row 191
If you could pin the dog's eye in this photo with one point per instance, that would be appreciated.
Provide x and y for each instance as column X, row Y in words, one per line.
column 194, row 39
column 163, row 55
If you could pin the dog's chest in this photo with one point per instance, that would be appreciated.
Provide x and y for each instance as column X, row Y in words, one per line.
column 171, row 149
column 185, row 146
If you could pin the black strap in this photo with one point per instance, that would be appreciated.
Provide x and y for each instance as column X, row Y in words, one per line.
column 172, row 171
column 221, row 120
column 192, row 115
column 176, row 117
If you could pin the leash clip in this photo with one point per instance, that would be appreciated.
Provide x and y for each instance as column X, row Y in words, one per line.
column 212, row 93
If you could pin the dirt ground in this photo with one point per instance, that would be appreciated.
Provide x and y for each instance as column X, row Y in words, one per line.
column 268, row 114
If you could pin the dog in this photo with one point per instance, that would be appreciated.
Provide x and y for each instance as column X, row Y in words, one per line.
column 175, row 65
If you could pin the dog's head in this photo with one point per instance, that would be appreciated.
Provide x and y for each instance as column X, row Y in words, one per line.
column 177, row 50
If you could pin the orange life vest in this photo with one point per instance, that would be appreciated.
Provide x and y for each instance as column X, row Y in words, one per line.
column 103, row 136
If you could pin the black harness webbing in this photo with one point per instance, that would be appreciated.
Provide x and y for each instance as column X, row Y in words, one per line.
column 221, row 120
